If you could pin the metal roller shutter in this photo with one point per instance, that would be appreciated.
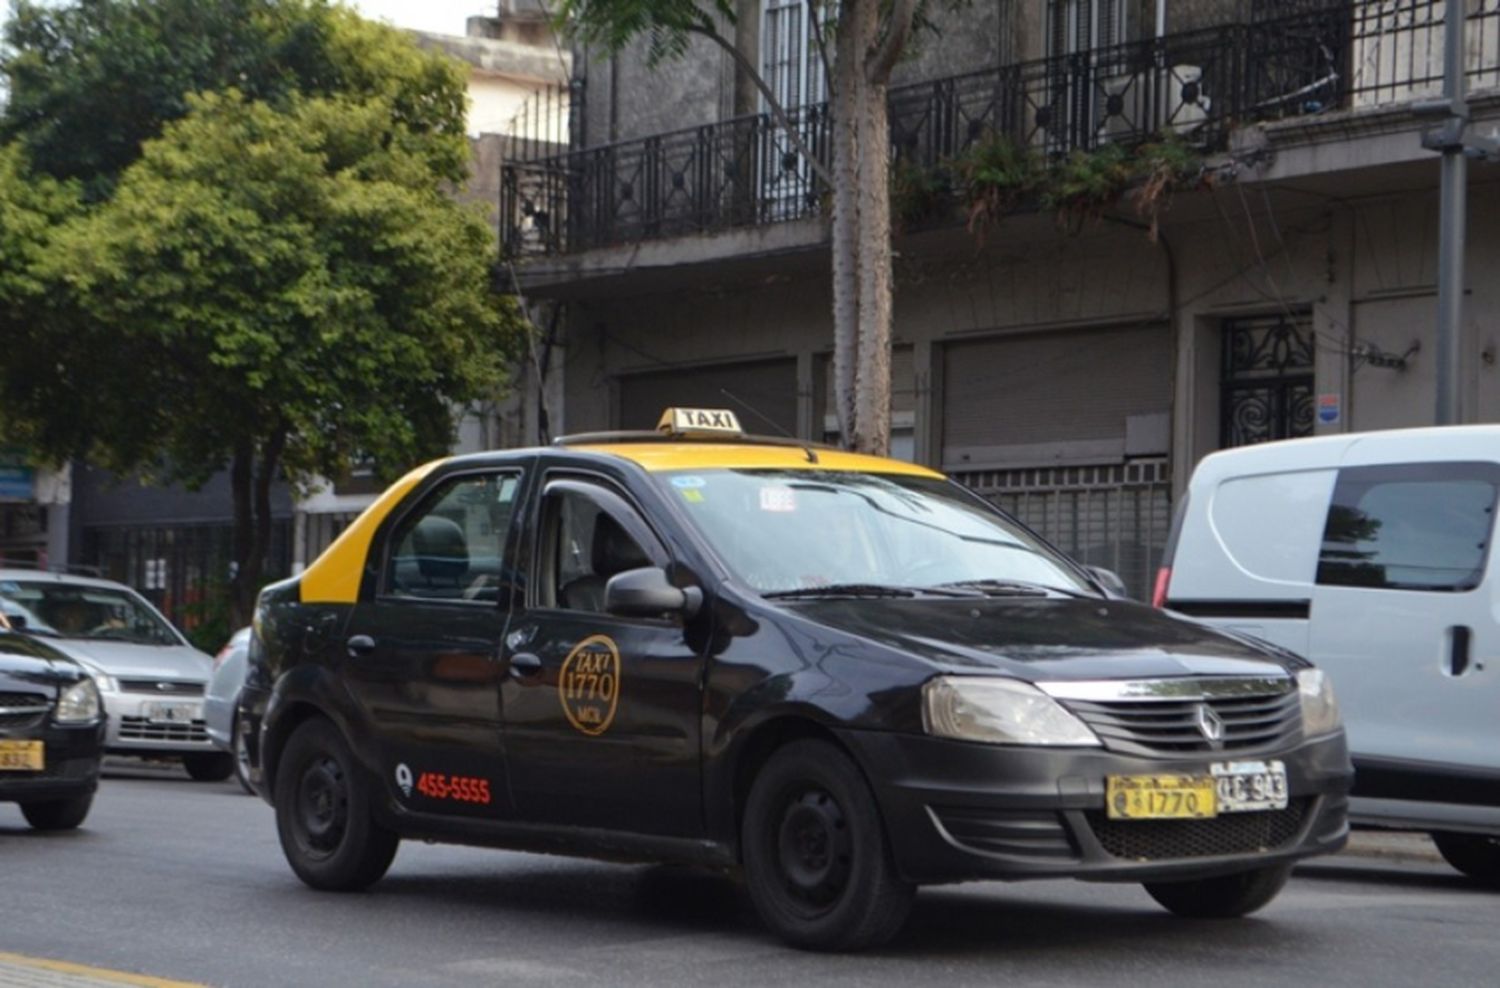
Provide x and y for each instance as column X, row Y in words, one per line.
column 763, row 394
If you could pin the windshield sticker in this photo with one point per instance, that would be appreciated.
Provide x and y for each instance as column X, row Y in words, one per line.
column 688, row 482
column 589, row 685
column 693, row 495
column 778, row 499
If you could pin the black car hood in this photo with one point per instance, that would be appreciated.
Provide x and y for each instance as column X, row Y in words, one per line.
column 1046, row 639
column 25, row 661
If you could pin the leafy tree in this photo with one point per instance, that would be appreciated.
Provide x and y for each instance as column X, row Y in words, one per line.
column 276, row 286
column 868, row 37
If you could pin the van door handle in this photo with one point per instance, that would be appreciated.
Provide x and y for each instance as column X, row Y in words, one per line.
column 524, row 665
column 360, row 645
column 1459, row 639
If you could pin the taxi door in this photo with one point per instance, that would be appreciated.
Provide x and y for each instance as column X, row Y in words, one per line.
column 602, row 712
column 423, row 658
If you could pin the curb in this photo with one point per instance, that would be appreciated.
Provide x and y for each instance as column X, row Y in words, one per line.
column 1389, row 845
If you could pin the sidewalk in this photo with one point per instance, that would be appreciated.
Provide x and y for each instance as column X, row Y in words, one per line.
column 1393, row 846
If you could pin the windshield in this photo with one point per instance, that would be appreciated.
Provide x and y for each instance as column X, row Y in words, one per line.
column 71, row 610
column 790, row 530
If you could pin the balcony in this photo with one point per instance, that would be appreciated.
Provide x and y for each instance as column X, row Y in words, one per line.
column 1200, row 86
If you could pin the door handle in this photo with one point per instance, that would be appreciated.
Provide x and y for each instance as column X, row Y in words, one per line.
column 1459, row 637
column 359, row 645
column 524, row 665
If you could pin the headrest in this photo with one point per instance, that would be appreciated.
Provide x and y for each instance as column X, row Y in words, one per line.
column 441, row 549
column 614, row 551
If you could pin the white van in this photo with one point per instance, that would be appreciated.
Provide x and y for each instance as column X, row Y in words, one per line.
column 1369, row 553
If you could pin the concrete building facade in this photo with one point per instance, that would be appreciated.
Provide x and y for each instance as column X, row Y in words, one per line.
column 1072, row 371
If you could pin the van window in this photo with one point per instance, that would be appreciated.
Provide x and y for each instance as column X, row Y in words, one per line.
column 1422, row 526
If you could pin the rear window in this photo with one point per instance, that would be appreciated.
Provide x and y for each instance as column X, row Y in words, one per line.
column 1423, row 526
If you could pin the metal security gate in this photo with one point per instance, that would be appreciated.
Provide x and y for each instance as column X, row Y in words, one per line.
column 1267, row 383
column 1116, row 516
column 762, row 393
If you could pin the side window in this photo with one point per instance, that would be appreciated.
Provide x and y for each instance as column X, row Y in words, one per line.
column 586, row 539
column 1410, row 527
column 452, row 547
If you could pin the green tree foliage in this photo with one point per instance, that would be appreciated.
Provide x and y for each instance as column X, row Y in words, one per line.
column 278, row 285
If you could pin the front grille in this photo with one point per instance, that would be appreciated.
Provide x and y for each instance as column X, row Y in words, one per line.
column 161, row 687
column 140, row 729
column 1019, row 834
column 1154, row 727
column 1232, row 833
column 23, row 709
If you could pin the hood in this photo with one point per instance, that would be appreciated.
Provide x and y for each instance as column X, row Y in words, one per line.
column 1048, row 639
column 124, row 659
column 27, row 662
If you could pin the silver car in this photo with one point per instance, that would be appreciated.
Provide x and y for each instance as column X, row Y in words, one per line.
column 150, row 679
column 221, row 703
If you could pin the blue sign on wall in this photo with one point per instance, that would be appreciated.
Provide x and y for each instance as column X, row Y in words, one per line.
column 17, row 481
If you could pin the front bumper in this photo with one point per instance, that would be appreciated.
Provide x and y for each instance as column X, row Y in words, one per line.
column 70, row 765
column 133, row 730
column 956, row 811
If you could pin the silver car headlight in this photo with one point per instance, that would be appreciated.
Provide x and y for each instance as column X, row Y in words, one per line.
column 999, row 711
column 79, row 704
column 1320, row 711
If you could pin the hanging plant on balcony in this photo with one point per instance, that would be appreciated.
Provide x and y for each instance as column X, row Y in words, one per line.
column 1084, row 185
column 1163, row 167
column 920, row 196
column 995, row 176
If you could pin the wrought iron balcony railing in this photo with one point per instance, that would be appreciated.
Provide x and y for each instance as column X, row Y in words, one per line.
column 1347, row 54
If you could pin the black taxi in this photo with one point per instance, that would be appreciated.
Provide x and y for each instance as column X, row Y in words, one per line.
column 836, row 675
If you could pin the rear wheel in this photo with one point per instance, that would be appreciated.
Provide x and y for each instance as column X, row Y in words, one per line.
column 209, row 766
column 323, row 813
column 816, row 857
column 58, row 814
column 240, row 750
column 1476, row 855
column 1224, row 897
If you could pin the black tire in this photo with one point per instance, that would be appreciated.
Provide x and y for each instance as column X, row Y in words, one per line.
column 816, row 858
column 1476, row 855
column 239, row 750
column 323, row 813
column 58, row 814
column 209, row 766
column 1224, row 897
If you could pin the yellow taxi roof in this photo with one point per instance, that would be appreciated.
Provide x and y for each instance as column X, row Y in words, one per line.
column 661, row 456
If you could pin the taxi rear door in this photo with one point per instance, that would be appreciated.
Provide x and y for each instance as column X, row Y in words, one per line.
column 602, row 712
column 423, row 659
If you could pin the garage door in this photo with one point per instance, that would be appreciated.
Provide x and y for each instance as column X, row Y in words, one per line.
column 1056, row 397
column 763, row 394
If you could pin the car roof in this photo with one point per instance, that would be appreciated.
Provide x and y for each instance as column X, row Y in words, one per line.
column 66, row 579
column 662, row 456
column 1324, row 452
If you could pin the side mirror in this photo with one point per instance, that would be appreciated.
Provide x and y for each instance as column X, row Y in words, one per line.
column 1109, row 580
column 645, row 592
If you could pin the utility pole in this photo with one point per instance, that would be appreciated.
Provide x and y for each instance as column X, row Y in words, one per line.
column 1456, row 147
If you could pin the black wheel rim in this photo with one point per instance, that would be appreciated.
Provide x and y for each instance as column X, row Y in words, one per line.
column 322, row 809
column 814, row 850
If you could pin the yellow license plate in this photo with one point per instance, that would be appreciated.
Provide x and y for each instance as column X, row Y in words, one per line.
column 21, row 756
column 1161, row 797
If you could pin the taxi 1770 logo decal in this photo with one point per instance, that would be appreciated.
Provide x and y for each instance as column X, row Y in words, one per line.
column 589, row 686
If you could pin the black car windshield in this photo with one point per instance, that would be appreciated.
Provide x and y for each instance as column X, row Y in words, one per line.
column 788, row 530
column 76, row 610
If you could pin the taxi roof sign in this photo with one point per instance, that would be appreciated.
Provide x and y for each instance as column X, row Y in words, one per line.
column 699, row 422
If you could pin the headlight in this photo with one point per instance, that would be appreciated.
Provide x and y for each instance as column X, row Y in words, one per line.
column 999, row 711
column 78, row 704
column 105, row 683
column 1320, row 711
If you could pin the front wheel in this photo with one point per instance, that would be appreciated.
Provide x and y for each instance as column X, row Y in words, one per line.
column 323, row 813
column 240, row 749
column 816, row 858
column 58, row 814
column 1476, row 855
column 1224, row 897
column 208, row 766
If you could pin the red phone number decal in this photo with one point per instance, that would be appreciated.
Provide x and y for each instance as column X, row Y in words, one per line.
column 461, row 788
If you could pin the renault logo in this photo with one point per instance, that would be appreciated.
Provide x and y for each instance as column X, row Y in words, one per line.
column 1210, row 723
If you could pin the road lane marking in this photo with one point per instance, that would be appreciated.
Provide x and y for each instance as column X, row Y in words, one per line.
column 18, row 969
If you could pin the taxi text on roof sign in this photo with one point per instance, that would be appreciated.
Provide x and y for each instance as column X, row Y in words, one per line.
column 699, row 421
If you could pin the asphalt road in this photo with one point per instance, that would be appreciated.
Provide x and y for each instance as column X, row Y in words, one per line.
column 184, row 880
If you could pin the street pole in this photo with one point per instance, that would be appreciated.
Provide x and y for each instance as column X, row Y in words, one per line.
column 1452, row 209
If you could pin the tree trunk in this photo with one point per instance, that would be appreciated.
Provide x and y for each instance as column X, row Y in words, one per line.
column 253, row 512
column 241, row 482
column 872, row 379
column 843, row 120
